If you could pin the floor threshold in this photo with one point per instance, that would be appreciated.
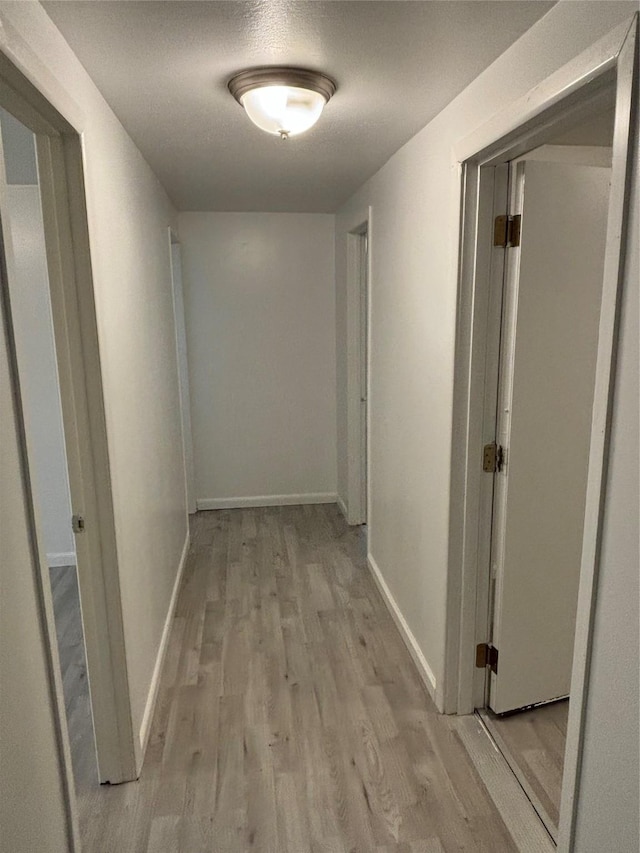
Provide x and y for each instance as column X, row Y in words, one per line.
column 511, row 794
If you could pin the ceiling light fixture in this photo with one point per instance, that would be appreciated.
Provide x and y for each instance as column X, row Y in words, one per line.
column 283, row 101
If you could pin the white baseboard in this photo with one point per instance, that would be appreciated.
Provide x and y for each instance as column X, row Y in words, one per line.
column 267, row 500
column 343, row 509
column 410, row 641
column 145, row 728
column 64, row 558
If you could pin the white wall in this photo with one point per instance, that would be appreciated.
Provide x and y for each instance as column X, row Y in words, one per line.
column 260, row 308
column 414, row 244
column 129, row 215
column 31, row 311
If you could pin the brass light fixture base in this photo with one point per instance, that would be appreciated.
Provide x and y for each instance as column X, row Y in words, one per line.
column 283, row 75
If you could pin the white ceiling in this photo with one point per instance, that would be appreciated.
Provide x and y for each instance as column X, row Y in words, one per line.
column 163, row 67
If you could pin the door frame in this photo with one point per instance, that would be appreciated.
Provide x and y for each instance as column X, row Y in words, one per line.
column 363, row 249
column 355, row 509
column 557, row 102
column 179, row 321
column 62, row 191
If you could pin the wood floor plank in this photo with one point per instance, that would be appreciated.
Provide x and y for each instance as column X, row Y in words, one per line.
column 290, row 716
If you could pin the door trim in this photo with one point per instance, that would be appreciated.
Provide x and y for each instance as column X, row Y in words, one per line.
column 79, row 368
column 558, row 101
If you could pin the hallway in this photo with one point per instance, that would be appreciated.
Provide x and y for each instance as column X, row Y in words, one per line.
column 291, row 717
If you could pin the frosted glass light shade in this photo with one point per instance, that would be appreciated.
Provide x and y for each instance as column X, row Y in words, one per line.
column 283, row 110
column 282, row 100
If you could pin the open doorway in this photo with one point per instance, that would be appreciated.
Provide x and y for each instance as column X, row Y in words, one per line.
column 357, row 509
column 175, row 250
column 532, row 410
column 550, row 301
column 28, row 281
column 363, row 250
column 48, row 314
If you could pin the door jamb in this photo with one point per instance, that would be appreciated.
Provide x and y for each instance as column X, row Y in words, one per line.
column 354, row 511
column 179, row 321
column 490, row 264
column 62, row 192
column 556, row 102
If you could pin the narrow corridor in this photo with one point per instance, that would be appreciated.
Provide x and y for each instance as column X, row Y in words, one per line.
column 291, row 717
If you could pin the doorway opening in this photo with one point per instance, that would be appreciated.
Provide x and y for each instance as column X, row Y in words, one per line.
column 357, row 509
column 175, row 250
column 545, row 198
column 27, row 278
column 56, row 380
column 363, row 247
column 546, row 340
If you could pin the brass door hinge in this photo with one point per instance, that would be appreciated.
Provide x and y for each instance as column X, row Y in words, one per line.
column 506, row 231
column 487, row 655
column 492, row 458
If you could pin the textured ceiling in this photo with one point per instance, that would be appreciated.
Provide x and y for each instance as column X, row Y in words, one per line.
column 163, row 68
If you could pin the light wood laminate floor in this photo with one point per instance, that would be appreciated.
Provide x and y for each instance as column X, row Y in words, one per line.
column 536, row 740
column 73, row 664
column 290, row 717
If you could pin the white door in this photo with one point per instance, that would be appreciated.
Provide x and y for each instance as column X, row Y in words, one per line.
column 547, row 370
